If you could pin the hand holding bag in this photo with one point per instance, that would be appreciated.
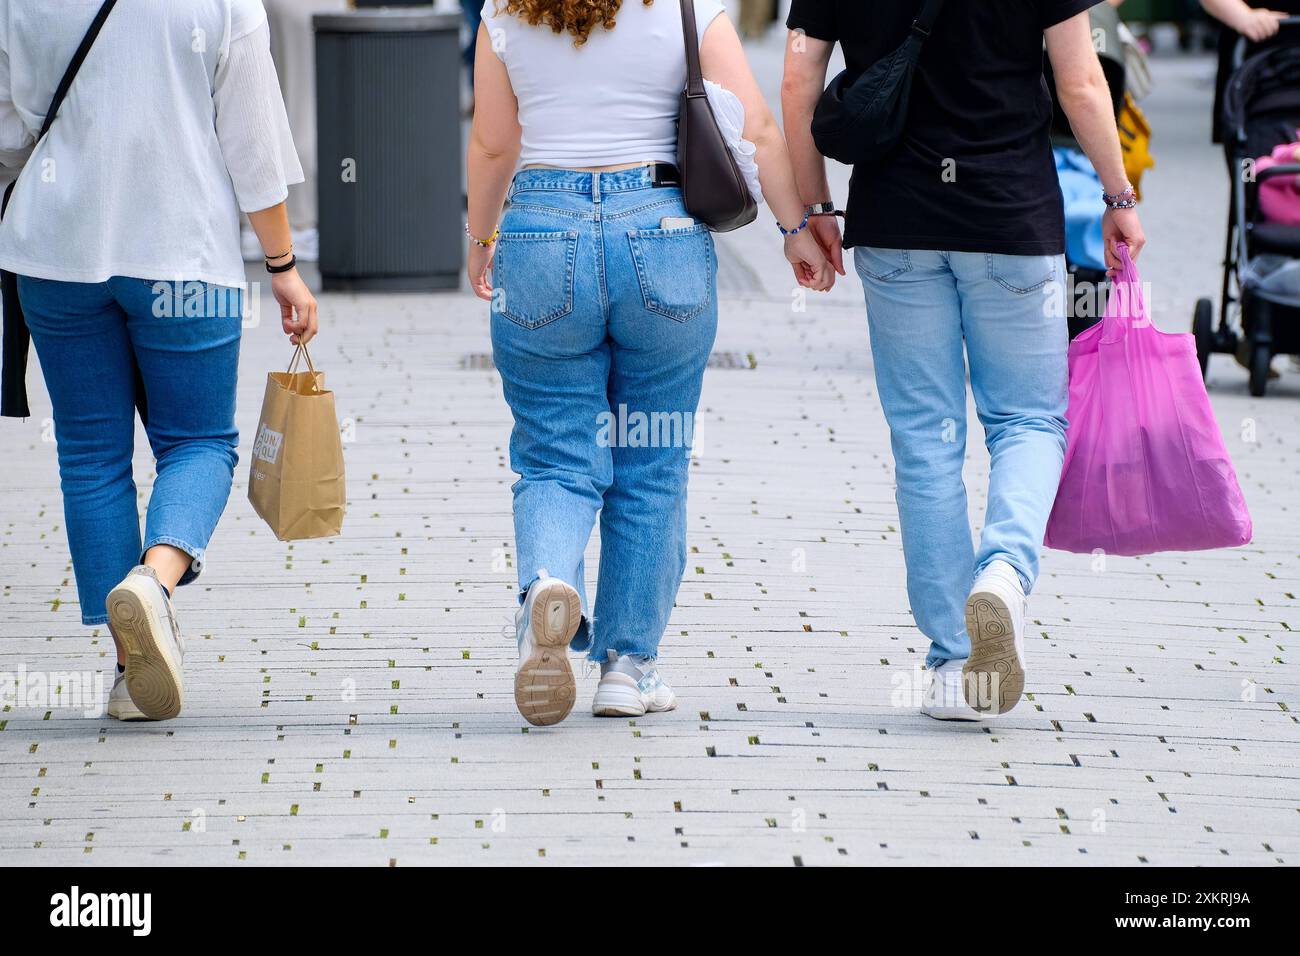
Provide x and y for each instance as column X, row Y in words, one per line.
column 1146, row 469
column 861, row 117
column 296, row 481
column 713, row 187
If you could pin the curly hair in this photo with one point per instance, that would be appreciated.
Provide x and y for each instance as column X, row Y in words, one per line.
column 578, row 17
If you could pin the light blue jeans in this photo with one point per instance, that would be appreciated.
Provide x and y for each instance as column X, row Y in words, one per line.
column 1008, row 313
column 602, row 325
column 184, row 338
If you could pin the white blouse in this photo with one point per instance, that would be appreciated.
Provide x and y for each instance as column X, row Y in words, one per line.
column 174, row 125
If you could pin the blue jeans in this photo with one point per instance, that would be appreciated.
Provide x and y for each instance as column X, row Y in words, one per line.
column 602, row 324
column 184, row 337
column 1008, row 312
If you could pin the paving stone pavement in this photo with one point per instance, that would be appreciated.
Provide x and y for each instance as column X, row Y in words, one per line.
column 350, row 700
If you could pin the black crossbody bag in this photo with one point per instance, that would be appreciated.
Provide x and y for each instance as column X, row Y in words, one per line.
column 861, row 117
column 13, row 349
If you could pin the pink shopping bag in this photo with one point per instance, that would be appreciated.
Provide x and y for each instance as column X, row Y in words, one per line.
column 1146, row 469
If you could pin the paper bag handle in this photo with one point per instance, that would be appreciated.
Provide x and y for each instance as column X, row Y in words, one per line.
column 300, row 353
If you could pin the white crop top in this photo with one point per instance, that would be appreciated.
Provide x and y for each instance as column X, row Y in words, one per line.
column 612, row 100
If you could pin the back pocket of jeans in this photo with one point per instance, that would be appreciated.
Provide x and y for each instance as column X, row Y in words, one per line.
column 533, row 275
column 1022, row 274
column 675, row 268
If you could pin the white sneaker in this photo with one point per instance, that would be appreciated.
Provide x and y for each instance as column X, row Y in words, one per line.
column 630, row 686
column 995, row 621
column 120, row 704
column 545, row 623
column 141, row 617
column 945, row 696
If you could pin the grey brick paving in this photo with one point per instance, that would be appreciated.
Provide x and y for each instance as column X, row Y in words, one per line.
column 350, row 700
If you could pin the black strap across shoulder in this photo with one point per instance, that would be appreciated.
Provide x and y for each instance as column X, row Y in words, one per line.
column 78, row 58
column 924, row 22
column 16, row 338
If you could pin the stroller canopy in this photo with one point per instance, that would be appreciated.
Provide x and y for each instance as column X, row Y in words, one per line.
column 1261, row 107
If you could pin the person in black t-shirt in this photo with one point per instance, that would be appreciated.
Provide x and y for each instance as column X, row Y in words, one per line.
column 959, row 236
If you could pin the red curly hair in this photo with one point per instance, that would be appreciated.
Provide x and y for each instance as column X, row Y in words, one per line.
column 578, row 17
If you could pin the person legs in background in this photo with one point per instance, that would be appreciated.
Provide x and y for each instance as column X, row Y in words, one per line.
column 184, row 340
column 755, row 17
column 922, row 307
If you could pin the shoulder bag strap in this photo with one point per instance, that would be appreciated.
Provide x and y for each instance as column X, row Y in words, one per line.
column 70, row 74
column 15, row 338
column 924, row 21
column 694, row 73
column 78, row 58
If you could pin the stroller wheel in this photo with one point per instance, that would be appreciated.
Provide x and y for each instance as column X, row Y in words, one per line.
column 1203, row 331
column 1261, row 357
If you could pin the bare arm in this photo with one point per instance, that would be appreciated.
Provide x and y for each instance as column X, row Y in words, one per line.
column 1253, row 22
column 723, row 61
column 1085, row 98
column 806, row 60
column 298, row 313
column 494, row 143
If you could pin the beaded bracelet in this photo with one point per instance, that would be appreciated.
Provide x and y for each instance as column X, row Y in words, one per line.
column 485, row 243
column 1118, row 200
column 797, row 229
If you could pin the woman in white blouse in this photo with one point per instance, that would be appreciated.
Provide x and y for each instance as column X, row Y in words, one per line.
column 123, row 229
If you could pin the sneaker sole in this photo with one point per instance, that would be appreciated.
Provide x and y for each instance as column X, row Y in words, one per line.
column 993, row 661
column 151, row 677
column 544, row 684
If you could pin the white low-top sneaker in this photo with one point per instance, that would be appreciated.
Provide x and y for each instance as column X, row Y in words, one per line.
column 141, row 617
column 631, row 686
column 945, row 696
column 545, row 623
column 995, row 621
column 120, row 704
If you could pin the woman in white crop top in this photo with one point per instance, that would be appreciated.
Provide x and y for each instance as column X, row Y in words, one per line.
column 604, row 309
column 123, row 230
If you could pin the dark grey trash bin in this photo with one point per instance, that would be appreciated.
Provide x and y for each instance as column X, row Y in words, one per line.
column 389, row 147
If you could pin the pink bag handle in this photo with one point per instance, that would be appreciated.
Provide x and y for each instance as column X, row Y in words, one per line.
column 1126, row 304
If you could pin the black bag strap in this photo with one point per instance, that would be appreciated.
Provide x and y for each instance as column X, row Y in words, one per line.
column 78, row 58
column 70, row 74
column 15, row 338
column 690, row 33
column 924, row 21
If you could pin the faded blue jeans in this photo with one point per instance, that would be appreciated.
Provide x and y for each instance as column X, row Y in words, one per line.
column 184, row 337
column 602, row 325
column 1008, row 313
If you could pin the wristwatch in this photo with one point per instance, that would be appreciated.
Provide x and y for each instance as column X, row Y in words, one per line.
column 822, row 209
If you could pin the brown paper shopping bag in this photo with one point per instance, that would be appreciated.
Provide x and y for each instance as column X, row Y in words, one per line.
column 296, row 479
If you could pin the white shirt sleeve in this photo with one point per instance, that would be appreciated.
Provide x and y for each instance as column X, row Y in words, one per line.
column 706, row 11
column 16, row 140
column 252, row 126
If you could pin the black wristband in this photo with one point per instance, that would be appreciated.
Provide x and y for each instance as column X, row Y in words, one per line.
column 276, row 270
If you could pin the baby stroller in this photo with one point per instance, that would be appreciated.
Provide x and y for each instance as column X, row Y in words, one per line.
column 1260, row 302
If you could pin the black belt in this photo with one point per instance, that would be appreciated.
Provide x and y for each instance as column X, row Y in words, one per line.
column 665, row 174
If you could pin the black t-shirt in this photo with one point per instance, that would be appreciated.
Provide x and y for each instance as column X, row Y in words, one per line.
column 974, row 172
